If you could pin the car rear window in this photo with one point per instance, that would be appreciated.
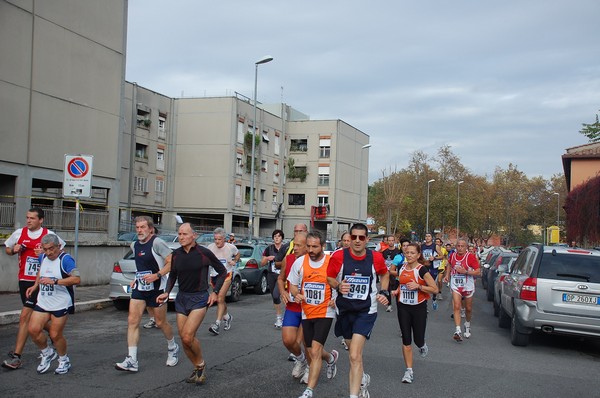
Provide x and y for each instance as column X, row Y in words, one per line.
column 570, row 267
column 245, row 251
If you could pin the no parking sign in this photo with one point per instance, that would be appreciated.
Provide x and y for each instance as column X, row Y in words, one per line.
column 78, row 176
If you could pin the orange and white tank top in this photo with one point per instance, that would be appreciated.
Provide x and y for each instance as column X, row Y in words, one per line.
column 407, row 296
column 316, row 291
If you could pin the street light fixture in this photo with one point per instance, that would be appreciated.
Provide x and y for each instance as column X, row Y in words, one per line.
column 360, row 187
column 263, row 60
column 427, row 222
column 458, row 208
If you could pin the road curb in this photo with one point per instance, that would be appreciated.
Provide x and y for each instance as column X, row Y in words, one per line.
column 10, row 317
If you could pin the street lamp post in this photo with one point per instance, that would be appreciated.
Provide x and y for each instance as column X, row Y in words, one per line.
column 367, row 146
column 458, row 208
column 557, row 208
column 263, row 60
column 427, row 222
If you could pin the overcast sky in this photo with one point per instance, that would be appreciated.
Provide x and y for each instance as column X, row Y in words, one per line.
column 499, row 81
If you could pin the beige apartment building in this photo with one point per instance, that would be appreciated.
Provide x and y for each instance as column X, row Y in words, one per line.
column 63, row 91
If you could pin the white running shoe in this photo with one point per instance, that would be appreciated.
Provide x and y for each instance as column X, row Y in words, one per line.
column 467, row 331
column 332, row 367
column 150, row 324
column 291, row 357
column 364, row 392
column 127, row 365
column 299, row 368
column 304, row 379
column 279, row 323
column 462, row 313
column 46, row 361
column 214, row 329
column 408, row 376
column 388, row 309
column 306, row 394
column 173, row 356
column 457, row 336
column 227, row 322
column 423, row 351
column 63, row 366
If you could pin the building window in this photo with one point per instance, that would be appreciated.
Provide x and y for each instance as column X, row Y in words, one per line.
column 265, row 137
column 240, row 132
column 323, row 200
column 162, row 121
column 276, row 173
column 160, row 159
column 276, row 144
column 262, row 195
column 296, row 199
column 238, row 195
column 140, row 184
column 143, row 118
column 238, row 163
column 159, row 189
column 324, row 148
column 263, row 166
column 323, row 176
column 141, row 151
column 247, row 195
column 299, row 145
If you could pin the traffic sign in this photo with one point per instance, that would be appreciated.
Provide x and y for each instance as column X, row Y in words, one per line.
column 78, row 176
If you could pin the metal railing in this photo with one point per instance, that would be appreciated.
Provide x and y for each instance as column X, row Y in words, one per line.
column 64, row 219
column 7, row 214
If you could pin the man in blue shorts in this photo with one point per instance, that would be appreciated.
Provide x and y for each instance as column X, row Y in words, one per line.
column 152, row 262
column 190, row 268
column 353, row 273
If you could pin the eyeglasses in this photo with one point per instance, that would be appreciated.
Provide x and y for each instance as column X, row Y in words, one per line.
column 362, row 238
column 299, row 230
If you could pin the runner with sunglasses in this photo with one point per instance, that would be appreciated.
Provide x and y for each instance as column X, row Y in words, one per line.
column 353, row 273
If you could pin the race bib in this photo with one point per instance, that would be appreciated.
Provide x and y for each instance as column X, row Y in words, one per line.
column 142, row 286
column 408, row 296
column 46, row 290
column 459, row 280
column 359, row 287
column 314, row 293
column 32, row 265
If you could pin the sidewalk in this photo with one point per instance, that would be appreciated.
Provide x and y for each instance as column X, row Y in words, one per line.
column 86, row 298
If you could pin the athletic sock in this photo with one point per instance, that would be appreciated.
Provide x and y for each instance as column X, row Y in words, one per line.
column 301, row 357
column 467, row 324
column 171, row 344
column 218, row 322
column 133, row 352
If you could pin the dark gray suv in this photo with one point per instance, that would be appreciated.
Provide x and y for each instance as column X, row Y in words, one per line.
column 552, row 289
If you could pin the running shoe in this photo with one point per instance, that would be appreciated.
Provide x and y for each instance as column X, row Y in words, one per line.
column 46, row 361
column 304, row 379
column 306, row 394
column 462, row 312
column 408, row 376
column 299, row 367
column 150, row 324
column 439, row 297
column 457, row 336
column 214, row 329
column 173, row 356
column 128, row 365
column 332, row 367
column 63, row 366
column 291, row 357
column 197, row 377
column 434, row 305
column 13, row 361
column 366, row 380
column 344, row 344
column 424, row 351
column 467, row 331
column 227, row 322
column 279, row 323
column 388, row 309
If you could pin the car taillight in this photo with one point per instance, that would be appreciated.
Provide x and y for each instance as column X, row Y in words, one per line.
column 252, row 263
column 117, row 268
column 529, row 289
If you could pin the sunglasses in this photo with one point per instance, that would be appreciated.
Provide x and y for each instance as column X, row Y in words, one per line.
column 362, row 238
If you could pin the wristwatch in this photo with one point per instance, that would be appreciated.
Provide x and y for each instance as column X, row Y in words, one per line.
column 159, row 275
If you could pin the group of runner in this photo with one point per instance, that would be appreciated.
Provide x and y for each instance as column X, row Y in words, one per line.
column 316, row 289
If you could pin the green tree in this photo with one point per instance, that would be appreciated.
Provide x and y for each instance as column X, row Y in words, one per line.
column 592, row 130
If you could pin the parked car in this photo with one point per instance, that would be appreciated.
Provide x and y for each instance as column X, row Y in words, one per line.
column 500, row 262
column 169, row 237
column 123, row 274
column 253, row 274
column 552, row 289
column 205, row 239
column 502, row 271
column 330, row 246
column 489, row 260
column 127, row 236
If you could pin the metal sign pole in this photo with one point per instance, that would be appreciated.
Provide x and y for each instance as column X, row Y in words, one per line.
column 76, row 228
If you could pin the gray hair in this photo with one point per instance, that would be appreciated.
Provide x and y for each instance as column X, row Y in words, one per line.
column 50, row 239
column 220, row 231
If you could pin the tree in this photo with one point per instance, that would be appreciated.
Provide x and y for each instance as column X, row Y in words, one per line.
column 591, row 131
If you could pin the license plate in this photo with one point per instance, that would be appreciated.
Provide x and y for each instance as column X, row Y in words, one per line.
column 580, row 298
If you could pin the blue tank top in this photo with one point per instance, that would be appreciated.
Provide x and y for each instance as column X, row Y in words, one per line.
column 144, row 259
column 359, row 273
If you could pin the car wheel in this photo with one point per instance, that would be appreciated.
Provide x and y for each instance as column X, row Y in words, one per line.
column 503, row 319
column 262, row 286
column 236, row 290
column 490, row 292
column 517, row 338
column 121, row 305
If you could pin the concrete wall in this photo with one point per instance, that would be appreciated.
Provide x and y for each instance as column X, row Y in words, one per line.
column 95, row 263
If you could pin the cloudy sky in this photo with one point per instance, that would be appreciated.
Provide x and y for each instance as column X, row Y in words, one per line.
column 499, row 81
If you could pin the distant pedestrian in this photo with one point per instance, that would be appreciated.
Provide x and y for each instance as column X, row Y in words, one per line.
column 268, row 257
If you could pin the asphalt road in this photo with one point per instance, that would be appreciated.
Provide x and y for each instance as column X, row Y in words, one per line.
column 250, row 361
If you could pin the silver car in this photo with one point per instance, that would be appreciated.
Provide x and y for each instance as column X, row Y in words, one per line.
column 552, row 289
column 124, row 273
